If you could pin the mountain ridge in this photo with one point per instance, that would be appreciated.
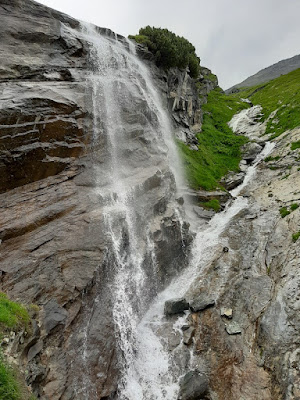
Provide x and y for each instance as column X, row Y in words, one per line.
column 265, row 75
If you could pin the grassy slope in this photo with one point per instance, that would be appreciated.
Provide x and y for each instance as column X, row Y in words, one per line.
column 12, row 317
column 219, row 147
column 281, row 94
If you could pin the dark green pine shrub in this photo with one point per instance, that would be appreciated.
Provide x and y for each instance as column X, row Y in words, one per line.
column 169, row 49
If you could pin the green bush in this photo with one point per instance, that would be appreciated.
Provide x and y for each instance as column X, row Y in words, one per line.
column 295, row 236
column 294, row 206
column 169, row 49
column 295, row 145
column 284, row 212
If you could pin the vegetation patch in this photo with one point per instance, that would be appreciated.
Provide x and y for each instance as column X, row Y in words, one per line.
column 284, row 212
column 294, row 206
column 13, row 316
column 280, row 96
column 213, row 204
column 296, row 236
column 219, row 148
column 270, row 158
column 169, row 50
column 295, row 145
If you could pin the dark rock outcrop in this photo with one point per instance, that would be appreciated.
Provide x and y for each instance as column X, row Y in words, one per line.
column 176, row 306
column 193, row 386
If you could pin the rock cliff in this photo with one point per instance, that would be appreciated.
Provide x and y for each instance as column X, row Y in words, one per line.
column 70, row 234
column 56, row 250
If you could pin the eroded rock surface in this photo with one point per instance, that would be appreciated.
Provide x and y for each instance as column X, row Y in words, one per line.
column 56, row 250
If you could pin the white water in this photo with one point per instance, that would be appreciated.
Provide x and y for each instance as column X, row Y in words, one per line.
column 120, row 80
column 148, row 372
column 153, row 375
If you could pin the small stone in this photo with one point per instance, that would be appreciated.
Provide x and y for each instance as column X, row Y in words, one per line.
column 176, row 306
column 226, row 312
column 185, row 327
column 233, row 328
column 201, row 303
column 193, row 386
column 225, row 249
column 188, row 335
column 35, row 350
column 5, row 340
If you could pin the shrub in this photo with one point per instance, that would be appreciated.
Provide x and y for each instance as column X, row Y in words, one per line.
column 295, row 145
column 284, row 212
column 169, row 49
column 295, row 236
column 294, row 206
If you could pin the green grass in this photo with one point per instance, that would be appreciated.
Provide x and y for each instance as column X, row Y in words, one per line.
column 295, row 145
column 219, row 148
column 284, row 212
column 213, row 204
column 296, row 236
column 270, row 158
column 294, row 206
column 12, row 315
column 281, row 94
column 9, row 388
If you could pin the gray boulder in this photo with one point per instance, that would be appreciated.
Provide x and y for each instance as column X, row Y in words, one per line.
column 202, row 302
column 176, row 306
column 250, row 150
column 193, row 386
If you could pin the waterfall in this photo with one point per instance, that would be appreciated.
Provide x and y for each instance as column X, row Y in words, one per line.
column 155, row 375
column 127, row 107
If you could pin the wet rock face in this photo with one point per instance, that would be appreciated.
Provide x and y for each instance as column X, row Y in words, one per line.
column 42, row 93
column 55, row 248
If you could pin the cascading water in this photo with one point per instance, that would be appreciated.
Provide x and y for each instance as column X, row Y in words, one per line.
column 121, row 83
column 156, row 374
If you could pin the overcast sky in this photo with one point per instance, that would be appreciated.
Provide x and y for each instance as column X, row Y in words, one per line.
column 234, row 38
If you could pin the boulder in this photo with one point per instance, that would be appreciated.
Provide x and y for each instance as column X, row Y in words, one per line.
column 232, row 180
column 250, row 150
column 188, row 335
column 193, row 386
column 176, row 306
column 201, row 302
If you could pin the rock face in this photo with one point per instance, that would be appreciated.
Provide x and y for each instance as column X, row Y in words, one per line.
column 56, row 249
column 248, row 343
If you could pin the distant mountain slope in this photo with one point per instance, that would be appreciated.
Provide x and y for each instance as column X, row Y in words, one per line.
column 280, row 101
column 267, row 74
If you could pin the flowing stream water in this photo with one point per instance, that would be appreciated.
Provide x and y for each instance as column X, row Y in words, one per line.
column 117, row 80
